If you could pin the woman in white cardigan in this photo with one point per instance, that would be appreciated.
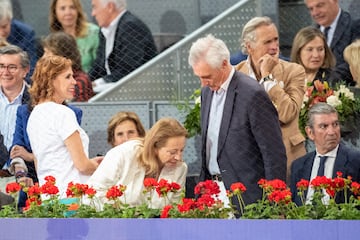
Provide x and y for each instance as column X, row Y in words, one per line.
column 158, row 155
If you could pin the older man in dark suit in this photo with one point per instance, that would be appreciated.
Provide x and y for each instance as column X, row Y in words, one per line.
column 323, row 128
column 125, row 42
column 241, row 136
column 339, row 29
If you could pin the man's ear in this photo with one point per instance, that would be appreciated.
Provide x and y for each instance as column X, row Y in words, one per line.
column 309, row 132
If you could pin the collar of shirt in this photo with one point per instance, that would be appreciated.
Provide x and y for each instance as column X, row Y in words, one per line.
column 225, row 85
column 332, row 28
column 17, row 100
column 111, row 29
column 251, row 70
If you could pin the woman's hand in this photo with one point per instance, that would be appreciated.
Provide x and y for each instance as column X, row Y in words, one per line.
column 21, row 152
column 97, row 159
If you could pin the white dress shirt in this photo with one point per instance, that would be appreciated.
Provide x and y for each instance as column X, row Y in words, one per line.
column 328, row 172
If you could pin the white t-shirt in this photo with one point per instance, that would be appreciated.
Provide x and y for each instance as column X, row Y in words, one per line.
column 49, row 125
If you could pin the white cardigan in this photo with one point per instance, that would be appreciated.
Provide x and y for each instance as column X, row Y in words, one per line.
column 120, row 166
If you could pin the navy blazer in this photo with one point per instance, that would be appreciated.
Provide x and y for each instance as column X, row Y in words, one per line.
column 23, row 36
column 133, row 46
column 347, row 161
column 347, row 30
column 250, row 145
column 21, row 137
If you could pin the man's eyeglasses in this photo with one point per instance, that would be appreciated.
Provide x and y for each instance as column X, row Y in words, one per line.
column 11, row 68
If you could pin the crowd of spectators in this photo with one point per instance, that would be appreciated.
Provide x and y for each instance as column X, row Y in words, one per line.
column 249, row 110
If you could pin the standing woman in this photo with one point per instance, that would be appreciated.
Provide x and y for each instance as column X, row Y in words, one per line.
column 58, row 142
column 68, row 16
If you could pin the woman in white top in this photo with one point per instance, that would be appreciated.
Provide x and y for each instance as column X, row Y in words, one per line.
column 158, row 155
column 59, row 144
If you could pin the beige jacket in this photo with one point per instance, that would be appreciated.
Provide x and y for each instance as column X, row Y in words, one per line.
column 120, row 166
column 287, row 96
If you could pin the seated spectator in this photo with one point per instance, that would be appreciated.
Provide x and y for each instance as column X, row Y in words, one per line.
column 125, row 43
column 63, row 44
column 14, row 66
column 158, row 156
column 124, row 126
column 68, row 16
column 339, row 29
column 352, row 57
column 331, row 156
column 17, row 33
column 61, row 147
column 309, row 49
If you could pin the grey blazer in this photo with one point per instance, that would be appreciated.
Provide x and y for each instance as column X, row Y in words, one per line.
column 250, row 145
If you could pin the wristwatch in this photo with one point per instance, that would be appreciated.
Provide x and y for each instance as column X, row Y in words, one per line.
column 268, row 78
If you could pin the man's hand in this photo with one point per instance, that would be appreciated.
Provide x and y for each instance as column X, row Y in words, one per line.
column 267, row 64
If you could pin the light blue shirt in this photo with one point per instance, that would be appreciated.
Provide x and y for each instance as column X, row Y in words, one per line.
column 331, row 31
column 8, row 116
column 216, row 112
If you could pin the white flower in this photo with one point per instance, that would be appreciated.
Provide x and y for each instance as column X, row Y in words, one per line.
column 305, row 100
column 198, row 100
column 333, row 101
column 346, row 92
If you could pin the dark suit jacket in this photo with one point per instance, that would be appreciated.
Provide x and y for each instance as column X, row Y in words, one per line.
column 23, row 36
column 133, row 46
column 21, row 137
column 250, row 146
column 4, row 153
column 347, row 161
column 347, row 30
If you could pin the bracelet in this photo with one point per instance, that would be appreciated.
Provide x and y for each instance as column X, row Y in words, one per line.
column 20, row 174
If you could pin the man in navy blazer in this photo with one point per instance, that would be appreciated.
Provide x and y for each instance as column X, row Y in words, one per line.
column 343, row 31
column 241, row 136
column 323, row 129
column 125, row 42
column 18, row 33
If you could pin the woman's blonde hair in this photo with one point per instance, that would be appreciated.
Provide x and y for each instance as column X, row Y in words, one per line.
column 81, row 21
column 157, row 138
column 46, row 70
column 352, row 57
column 121, row 117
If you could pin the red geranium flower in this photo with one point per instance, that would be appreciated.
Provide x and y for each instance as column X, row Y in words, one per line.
column 302, row 185
column 115, row 192
column 238, row 187
column 165, row 211
column 13, row 187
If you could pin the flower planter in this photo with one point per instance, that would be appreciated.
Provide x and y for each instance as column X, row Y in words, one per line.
column 178, row 229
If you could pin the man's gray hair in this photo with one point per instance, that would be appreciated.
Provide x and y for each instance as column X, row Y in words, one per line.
column 120, row 4
column 213, row 50
column 319, row 108
column 248, row 34
column 15, row 50
column 6, row 12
